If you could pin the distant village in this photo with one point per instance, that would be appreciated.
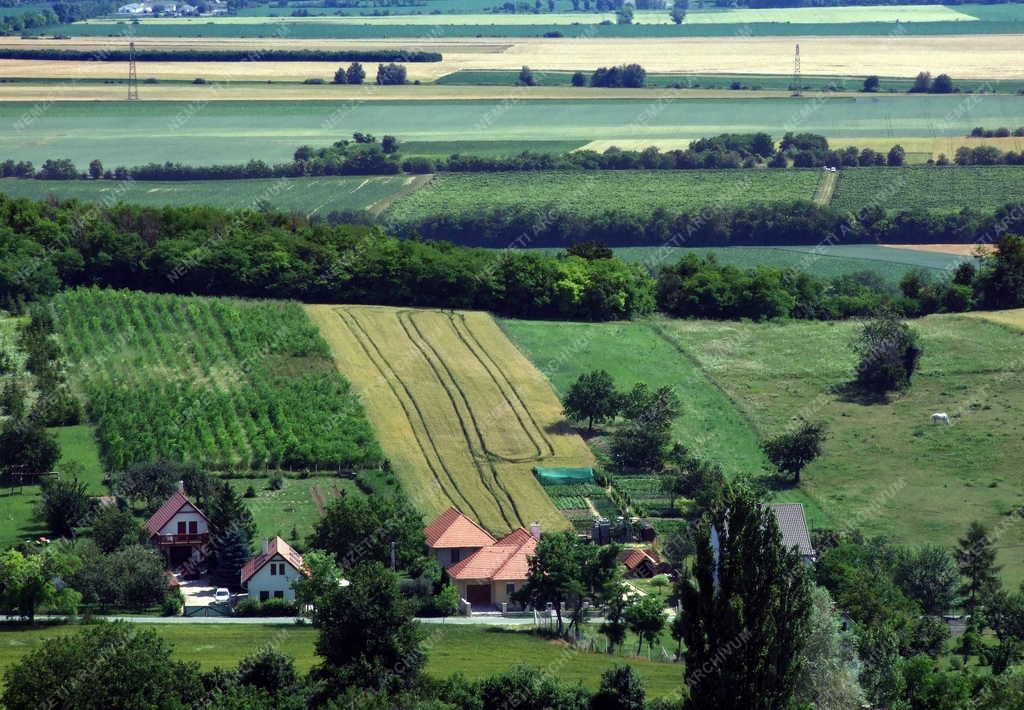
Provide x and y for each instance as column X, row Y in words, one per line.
column 172, row 9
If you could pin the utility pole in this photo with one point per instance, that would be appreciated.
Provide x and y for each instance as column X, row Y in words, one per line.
column 133, row 77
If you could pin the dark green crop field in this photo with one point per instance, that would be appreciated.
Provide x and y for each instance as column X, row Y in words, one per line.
column 938, row 189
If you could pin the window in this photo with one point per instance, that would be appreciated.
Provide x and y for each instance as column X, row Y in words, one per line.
column 456, row 555
column 181, row 527
column 264, row 596
column 193, row 527
column 510, row 587
column 278, row 595
column 273, row 568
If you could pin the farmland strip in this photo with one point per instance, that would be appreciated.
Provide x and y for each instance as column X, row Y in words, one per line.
column 357, row 330
column 478, row 445
column 480, row 352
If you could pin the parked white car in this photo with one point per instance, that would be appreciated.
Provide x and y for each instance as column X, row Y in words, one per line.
column 222, row 595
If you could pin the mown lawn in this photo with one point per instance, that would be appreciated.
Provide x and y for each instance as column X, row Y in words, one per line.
column 474, row 651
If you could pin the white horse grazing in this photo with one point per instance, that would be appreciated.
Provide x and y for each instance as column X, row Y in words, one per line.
column 940, row 418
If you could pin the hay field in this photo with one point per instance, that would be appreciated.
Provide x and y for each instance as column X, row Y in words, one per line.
column 963, row 56
column 1013, row 318
column 460, row 413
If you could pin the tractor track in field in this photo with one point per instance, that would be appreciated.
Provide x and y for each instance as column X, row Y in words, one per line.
column 477, row 447
column 410, row 408
column 826, row 189
column 480, row 352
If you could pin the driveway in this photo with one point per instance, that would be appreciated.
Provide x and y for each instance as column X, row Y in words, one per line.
column 197, row 592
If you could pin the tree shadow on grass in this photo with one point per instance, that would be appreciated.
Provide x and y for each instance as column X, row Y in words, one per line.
column 854, row 393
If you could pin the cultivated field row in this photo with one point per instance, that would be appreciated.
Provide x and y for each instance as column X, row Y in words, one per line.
column 462, row 416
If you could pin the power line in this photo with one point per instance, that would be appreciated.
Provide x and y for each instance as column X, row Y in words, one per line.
column 133, row 77
column 796, row 72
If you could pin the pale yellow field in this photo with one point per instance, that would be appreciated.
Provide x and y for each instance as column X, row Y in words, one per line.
column 963, row 56
column 1013, row 318
column 958, row 249
column 461, row 414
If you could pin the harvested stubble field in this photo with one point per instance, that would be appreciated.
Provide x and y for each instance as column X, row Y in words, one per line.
column 932, row 188
column 461, row 414
column 966, row 57
column 588, row 192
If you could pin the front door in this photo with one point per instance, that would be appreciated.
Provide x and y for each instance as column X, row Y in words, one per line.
column 478, row 593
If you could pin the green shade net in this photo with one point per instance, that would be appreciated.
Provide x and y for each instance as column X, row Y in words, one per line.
column 563, row 475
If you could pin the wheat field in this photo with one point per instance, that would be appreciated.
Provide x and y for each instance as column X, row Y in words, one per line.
column 460, row 413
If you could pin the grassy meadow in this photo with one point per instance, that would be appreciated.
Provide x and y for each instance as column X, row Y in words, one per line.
column 460, row 414
column 885, row 469
column 237, row 131
column 474, row 651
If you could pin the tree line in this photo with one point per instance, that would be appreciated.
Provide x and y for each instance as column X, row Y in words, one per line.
column 801, row 222
column 359, row 157
column 224, row 55
column 207, row 251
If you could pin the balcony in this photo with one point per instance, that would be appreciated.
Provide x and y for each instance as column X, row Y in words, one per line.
column 185, row 539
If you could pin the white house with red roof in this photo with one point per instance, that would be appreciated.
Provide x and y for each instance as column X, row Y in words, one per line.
column 269, row 575
column 178, row 528
column 453, row 537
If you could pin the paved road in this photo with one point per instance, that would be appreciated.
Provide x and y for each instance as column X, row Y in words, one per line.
column 292, row 620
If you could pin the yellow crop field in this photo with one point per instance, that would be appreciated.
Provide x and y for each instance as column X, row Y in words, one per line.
column 461, row 414
column 1013, row 318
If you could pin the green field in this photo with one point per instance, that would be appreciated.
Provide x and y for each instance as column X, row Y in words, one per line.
column 779, row 82
column 890, row 264
column 635, row 191
column 740, row 381
column 776, row 371
column 319, row 195
column 473, row 651
column 938, row 189
column 228, row 384
column 237, row 131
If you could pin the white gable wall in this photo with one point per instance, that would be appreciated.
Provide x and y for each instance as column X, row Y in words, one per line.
column 263, row 581
column 186, row 514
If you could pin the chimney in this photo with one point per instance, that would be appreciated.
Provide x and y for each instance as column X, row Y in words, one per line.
column 181, row 487
column 266, row 546
column 535, row 530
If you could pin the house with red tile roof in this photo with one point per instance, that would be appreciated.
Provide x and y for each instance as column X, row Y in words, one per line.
column 453, row 537
column 490, row 576
column 269, row 575
column 178, row 528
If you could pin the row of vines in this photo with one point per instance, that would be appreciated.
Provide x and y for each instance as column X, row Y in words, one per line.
column 225, row 383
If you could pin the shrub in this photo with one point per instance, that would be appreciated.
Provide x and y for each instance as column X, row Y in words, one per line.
column 271, row 607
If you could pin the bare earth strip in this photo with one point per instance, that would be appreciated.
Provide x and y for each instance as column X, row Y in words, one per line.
column 826, row 188
column 461, row 414
column 963, row 56
column 958, row 249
